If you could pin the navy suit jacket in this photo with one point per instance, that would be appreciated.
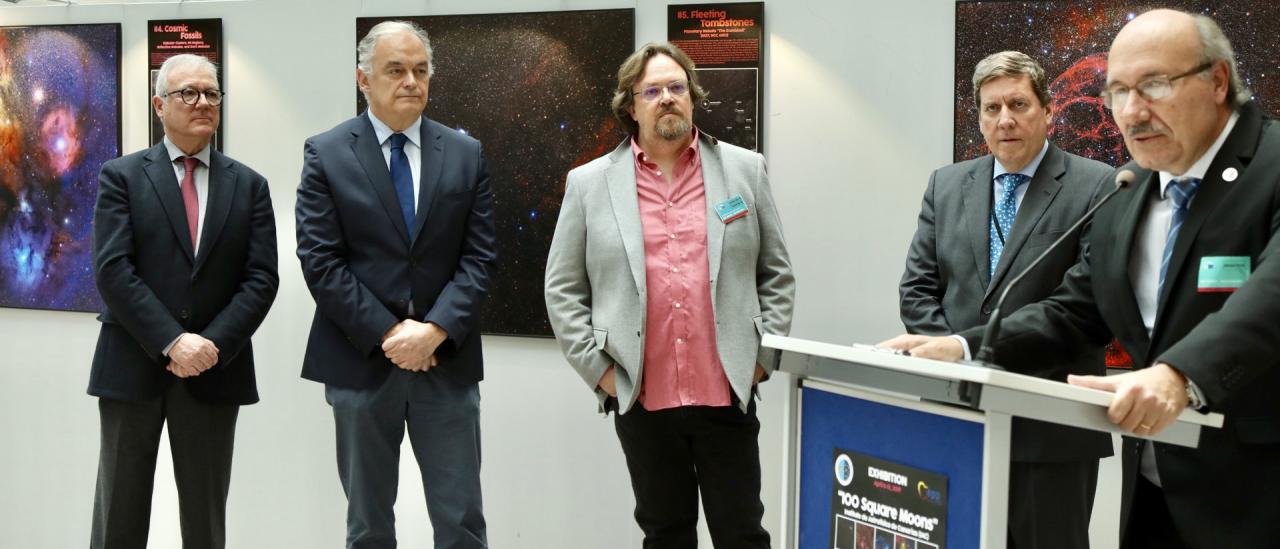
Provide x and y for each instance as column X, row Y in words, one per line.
column 155, row 288
column 363, row 265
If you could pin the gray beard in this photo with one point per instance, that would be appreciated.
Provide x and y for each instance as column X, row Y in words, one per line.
column 673, row 130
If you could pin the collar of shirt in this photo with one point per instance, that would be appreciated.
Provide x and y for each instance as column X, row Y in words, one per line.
column 643, row 158
column 1029, row 170
column 175, row 153
column 383, row 131
column 1201, row 167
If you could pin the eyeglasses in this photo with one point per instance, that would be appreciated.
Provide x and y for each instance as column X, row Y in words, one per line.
column 191, row 96
column 652, row 93
column 1151, row 89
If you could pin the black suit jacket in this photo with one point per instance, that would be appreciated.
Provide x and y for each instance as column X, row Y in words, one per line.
column 1223, row 494
column 155, row 289
column 363, row 264
column 948, row 287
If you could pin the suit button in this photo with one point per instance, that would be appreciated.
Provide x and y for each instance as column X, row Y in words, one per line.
column 986, row 311
column 183, row 314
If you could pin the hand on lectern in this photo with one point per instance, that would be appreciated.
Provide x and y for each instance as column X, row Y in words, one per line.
column 934, row 347
column 1147, row 401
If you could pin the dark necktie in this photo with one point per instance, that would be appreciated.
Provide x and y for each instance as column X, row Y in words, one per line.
column 191, row 200
column 402, row 176
column 1182, row 191
column 1006, row 209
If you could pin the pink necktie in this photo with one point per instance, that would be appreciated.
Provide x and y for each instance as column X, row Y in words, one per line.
column 189, row 197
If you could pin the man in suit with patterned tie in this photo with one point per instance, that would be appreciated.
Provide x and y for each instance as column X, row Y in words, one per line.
column 396, row 238
column 1181, row 270
column 667, row 266
column 184, row 244
column 982, row 222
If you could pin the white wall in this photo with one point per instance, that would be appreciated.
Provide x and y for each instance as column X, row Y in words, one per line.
column 859, row 112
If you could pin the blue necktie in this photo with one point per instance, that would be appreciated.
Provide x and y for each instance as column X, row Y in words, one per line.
column 1181, row 191
column 402, row 176
column 1006, row 209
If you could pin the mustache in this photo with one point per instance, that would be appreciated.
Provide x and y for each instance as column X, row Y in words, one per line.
column 669, row 109
column 1147, row 127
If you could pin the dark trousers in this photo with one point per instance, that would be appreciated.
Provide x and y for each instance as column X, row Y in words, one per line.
column 201, row 436
column 1050, row 504
column 1150, row 526
column 677, row 453
column 443, row 418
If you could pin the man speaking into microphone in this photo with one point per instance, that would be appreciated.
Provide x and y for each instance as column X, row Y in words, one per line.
column 1179, row 269
column 983, row 221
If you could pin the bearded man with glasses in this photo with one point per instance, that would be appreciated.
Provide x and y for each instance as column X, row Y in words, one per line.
column 1181, row 270
column 667, row 266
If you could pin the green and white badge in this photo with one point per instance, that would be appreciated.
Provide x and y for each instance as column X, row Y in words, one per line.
column 1225, row 273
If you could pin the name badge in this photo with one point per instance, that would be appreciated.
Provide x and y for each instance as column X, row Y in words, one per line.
column 1223, row 273
column 733, row 208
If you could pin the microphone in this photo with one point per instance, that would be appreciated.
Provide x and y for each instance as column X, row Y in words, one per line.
column 985, row 353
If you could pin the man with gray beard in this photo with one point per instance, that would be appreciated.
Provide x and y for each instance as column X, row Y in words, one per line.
column 667, row 266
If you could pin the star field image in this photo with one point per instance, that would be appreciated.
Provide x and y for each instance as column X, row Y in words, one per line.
column 59, row 122
column 1071, row 39
column 534, row 88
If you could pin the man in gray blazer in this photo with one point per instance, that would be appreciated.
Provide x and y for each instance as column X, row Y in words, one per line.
column 667, row 265
column 982, row 222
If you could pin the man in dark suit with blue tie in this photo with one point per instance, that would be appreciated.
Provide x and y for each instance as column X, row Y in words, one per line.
column 396, row 238
column 184, row 255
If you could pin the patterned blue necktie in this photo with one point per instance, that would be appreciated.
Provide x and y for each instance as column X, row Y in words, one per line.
column 1182, row 191
column 402, row 176
column 1006, row 209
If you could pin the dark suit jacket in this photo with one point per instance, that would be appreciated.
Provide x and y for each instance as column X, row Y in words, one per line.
column 948, row 287
column 1223, row 494
column 155, row 289
column 362, row 264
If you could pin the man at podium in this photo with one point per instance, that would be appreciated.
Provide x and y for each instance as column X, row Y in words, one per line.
column 1179, row 270
column 981, row 223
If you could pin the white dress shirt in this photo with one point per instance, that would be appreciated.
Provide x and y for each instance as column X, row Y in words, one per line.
column 1148, row 253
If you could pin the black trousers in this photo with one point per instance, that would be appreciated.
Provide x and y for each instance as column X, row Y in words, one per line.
column 201, row 436
column 676, row 454
column 1050, row 504
column 1150, row 526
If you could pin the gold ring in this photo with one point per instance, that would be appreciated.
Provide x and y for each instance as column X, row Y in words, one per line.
column 1145, row 426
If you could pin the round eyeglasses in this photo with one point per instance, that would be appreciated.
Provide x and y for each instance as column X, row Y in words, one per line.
column 191, row 96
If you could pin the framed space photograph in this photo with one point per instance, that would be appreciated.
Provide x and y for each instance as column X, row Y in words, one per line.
column 534, row 88
column 59, row 122
column 1071, row 39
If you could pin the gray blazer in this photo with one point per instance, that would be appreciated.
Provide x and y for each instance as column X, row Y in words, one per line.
column 947, row 286
column 595, row 277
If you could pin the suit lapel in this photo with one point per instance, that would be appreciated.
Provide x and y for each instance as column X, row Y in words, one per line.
column 715, row 191
column 1041, row 191
column 1236, row 152
column 222, row 187
column 620, row 179
column 1116, row 264
column 368, row 152
column 432, row 165
column 160, row 172
column 976, row 197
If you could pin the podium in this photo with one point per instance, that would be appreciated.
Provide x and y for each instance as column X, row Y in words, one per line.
column 887, row 450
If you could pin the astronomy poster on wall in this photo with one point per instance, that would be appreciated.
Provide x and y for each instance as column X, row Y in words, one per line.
column 534, row 88
column 168, row 38
column 726, row 43
column 1071, row 40
column 879, row 504
column 59, row 122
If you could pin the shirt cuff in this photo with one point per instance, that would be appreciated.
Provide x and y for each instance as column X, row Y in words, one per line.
column 964, row 343
column 169, row 347
column 1195, row 397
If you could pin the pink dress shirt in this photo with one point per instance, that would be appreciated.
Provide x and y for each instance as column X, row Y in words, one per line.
column 681, row 364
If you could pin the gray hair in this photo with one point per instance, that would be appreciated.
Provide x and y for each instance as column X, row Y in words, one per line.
column 1010, row 63
column 182, row 60
column 364, row 50
column 1215, row 47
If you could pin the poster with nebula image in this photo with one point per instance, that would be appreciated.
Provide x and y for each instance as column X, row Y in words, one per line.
column 534, row 88
column 1071, row 39
column 59, row 122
